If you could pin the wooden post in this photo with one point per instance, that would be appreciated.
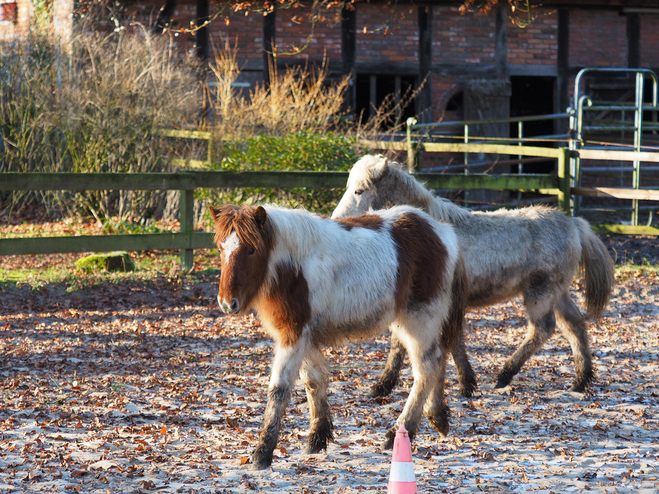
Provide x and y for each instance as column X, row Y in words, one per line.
column 349, row 50
column 186, row 219
column 411, row 147
column 564, row 181
column 562, row 69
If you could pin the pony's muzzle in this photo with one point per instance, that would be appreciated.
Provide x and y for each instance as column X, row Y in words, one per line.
column 229, row 308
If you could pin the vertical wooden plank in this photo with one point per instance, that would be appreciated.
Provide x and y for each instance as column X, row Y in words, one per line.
column 202, row 39
column 564, row 181
column 186, row 219
column 268, row 45
column 164, row 17
column 424, row 108
column 633, row 40
column 562, row 69
column 349, row 49
column 500, row 41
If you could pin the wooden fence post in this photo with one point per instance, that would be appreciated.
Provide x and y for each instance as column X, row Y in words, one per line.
column 564, row 181
column 411, row 147
column 186, row 218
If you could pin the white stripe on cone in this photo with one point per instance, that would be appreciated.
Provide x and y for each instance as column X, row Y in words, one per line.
column 402, row 471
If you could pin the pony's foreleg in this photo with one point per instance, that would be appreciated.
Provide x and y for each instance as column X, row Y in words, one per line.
column 314, row 374
column 285, row 370
column 573, row 325
column 389, row 377
column 424, row 368
column 540, row 329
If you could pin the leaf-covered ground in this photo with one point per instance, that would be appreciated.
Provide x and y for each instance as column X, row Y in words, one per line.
column 142, row 385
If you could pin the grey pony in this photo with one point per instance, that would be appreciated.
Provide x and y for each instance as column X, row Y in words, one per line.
column 533, row 251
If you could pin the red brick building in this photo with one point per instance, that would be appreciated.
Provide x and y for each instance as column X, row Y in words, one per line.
column 391, row 46
column 388, row 47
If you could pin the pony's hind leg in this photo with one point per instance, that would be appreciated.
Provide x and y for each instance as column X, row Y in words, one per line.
column 285, row 370
column 542, row 323
column 436, row 408
column 389, row 377
column 573, row 326
column 424, row 360
column 314, row 375
column 466, row 374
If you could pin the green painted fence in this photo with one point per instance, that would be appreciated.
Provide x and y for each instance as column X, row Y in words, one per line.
column 187, row 240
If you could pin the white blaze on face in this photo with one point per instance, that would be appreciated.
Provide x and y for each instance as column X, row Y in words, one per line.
column 230, row 245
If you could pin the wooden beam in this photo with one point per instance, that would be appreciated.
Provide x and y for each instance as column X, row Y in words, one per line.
column 268, row 45
column 626, row 229
column 633, row 40
column 105, row 243
column 529, row 181
column 164, row 18
column 603, row 154
column 500, row 41
column 349, row 49
column 170, row 181
column 454, row 147
column 617, row 193
column 424, row 106
column 202, row 38
column 562, row 69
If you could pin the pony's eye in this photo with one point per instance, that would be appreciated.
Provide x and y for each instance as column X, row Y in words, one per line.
column 251, row 251
column 359, row 192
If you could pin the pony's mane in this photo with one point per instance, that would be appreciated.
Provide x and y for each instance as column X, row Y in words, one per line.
column 372, row 167
column 244, row 223
column 302, row 228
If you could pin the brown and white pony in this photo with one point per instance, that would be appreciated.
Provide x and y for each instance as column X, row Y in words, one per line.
column 533, row 251
column 316, row 282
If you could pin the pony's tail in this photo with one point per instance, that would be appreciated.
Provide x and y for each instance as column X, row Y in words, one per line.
column 597, row 265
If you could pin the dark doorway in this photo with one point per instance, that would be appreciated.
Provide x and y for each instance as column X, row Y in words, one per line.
column 532, row 95
column 373, row 89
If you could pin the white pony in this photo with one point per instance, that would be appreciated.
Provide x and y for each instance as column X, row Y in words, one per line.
column 316, row 282
column 532, row 251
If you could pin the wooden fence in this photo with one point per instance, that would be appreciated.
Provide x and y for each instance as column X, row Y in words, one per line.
column 187, row 240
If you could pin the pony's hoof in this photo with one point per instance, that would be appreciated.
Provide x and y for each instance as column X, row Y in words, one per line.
column 578, row 388
column 261, row 460
column 502, row 382
column 315, row 446
column 379, row 391
column 468, row 391
column 389, row 437
column 440, row 424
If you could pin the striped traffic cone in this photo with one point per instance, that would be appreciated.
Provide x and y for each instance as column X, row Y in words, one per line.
column 401, row 478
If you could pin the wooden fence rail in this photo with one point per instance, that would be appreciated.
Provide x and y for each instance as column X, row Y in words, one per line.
column 187, row 240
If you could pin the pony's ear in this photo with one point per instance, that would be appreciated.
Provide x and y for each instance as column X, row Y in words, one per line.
column 379, row 168
column 215, row 213
column 260, row 216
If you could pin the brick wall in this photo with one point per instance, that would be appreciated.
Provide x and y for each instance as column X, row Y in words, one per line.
column 293, row 30
column 650, row 41
column 537, row 43
column 462, row 38
column 598, row 38
column 392, row 33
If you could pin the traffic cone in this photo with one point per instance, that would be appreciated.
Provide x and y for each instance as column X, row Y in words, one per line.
column 401, row 478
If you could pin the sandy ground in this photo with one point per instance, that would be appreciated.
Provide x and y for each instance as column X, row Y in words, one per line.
column 146, row 387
